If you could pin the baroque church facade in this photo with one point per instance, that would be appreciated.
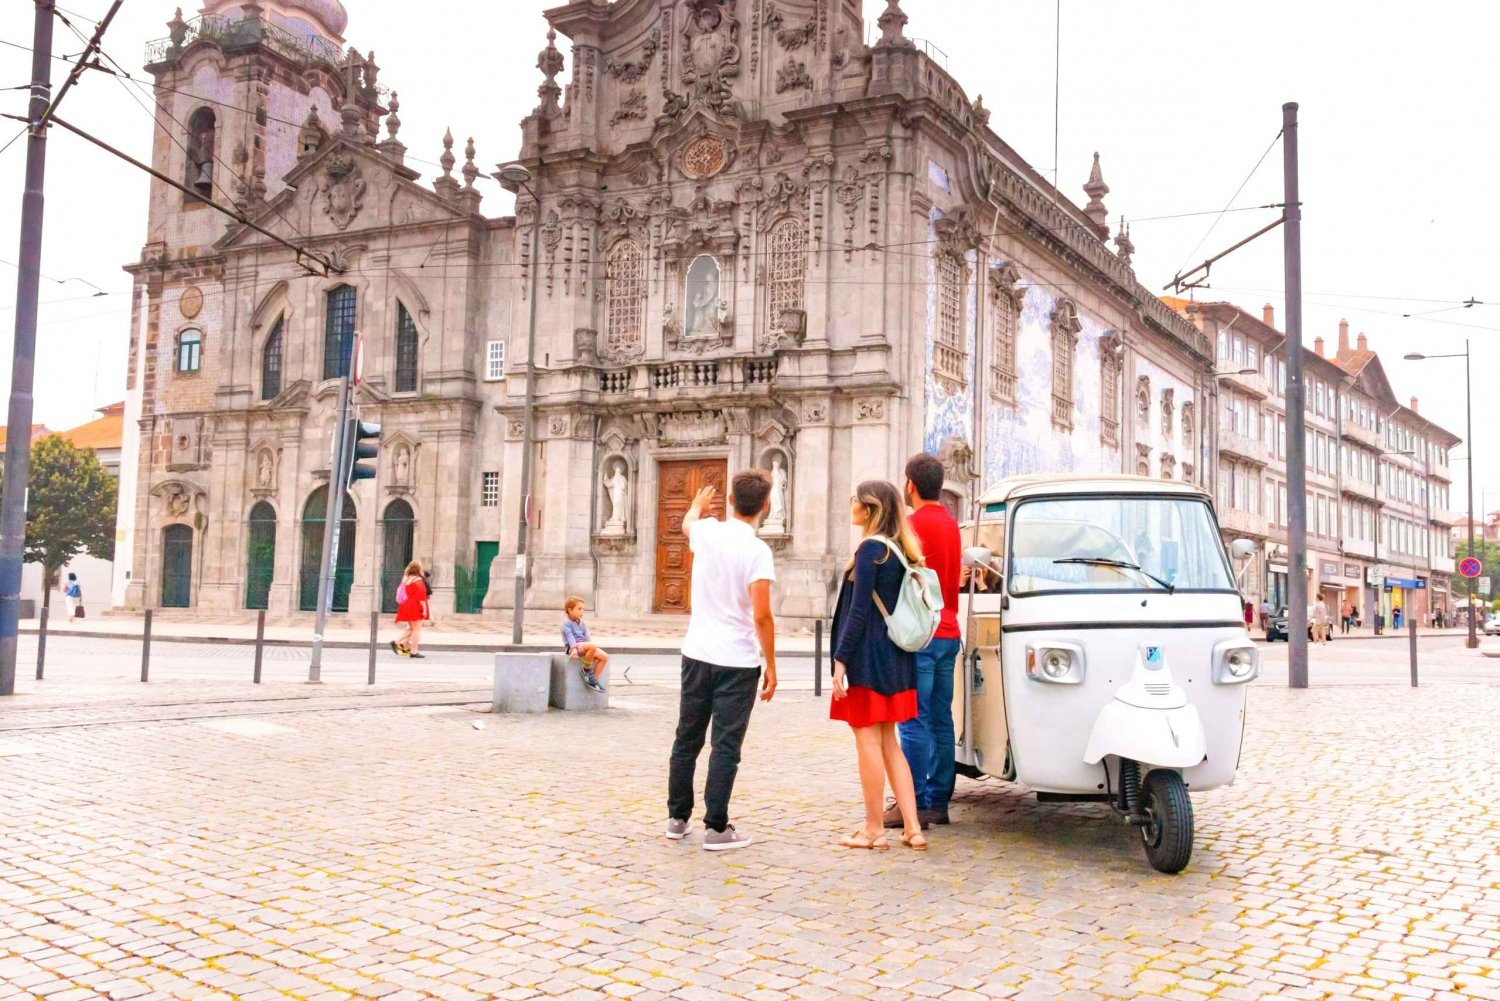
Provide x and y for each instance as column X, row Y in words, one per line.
column 749, row 239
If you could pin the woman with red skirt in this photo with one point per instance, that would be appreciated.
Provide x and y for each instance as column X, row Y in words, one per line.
column 875, row 681
column 411, row 610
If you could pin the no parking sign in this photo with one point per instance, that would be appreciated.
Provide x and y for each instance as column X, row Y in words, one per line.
column 1470, row 566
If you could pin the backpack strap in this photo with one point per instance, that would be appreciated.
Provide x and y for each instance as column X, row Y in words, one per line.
column 905, row 569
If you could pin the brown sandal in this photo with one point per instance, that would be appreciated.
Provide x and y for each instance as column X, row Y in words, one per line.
column 861, row 840
column 916, row 841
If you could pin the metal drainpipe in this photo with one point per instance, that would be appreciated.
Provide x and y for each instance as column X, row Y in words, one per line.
column 594, row 506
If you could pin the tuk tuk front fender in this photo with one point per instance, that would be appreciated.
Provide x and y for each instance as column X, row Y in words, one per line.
column 1169, row 738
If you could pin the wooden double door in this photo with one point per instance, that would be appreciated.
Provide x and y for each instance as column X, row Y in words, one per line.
column 677, row 484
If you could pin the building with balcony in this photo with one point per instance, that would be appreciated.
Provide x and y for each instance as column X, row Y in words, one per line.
column 1377, row 470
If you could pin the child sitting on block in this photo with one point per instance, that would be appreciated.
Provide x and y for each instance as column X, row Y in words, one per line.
column 578, row 645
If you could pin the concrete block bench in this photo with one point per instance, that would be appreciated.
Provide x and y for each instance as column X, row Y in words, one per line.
column 523, row 682
column 568, row 689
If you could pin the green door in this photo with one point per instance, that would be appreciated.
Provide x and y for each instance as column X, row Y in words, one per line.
column 177, row 567
column 261, row 565
column 484, row 555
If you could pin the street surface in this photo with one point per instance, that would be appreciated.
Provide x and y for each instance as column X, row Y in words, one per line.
column 198, row 837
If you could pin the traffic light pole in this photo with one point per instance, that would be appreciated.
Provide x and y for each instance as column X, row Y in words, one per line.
column 333, row 518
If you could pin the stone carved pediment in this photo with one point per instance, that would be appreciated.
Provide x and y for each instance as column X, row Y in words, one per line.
column 343, row 190
column 711, row 55
column 176, row 499
column 693, row 428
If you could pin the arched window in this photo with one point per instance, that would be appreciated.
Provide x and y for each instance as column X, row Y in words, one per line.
column 314, row 518
column 199, row 171
column 625, row 281
column 406, row 350
column 948, row 339
column 189, row 350
column 260, row 565
column 270, row 364
column 338, row 335
column 788, row 271
column 1007, row 297
column 1065, row 329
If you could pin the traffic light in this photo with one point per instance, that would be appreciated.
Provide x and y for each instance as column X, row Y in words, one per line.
column 364, row 444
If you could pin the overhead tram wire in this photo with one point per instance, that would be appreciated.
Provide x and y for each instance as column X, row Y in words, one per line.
column 1232, row 199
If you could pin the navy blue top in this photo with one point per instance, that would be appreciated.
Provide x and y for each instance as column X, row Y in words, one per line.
column 860, row 641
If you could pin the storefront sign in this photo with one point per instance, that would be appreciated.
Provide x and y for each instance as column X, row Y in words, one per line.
column 1276, row 567
column 1405, row 583
column 1351, row 571
column 1484, row 585
column 1329, row 568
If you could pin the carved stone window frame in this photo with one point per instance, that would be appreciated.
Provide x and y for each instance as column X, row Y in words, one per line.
column 950, row 356
column 786, row 278
column 1007, row 300
column 624, row 300
column 1111, row 372
column 1064, row 328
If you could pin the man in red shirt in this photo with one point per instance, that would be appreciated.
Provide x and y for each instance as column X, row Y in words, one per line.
column 928, row 740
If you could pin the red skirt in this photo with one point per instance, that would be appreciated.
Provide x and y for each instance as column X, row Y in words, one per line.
column 865, row 707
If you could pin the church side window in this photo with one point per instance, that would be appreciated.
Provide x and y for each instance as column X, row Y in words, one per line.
column 948, row 343
column 270, row 364
column 338, row 334
column 199, row 170
column 788, row 270
column 406, row 350
column 1006, row 296
column 626, row 284
column 1065, row 329
column 1110, row 350
column 189, row 351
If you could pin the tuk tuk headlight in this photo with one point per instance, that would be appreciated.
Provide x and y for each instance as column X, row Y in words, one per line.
column 1057, row 663
column 1235, row 662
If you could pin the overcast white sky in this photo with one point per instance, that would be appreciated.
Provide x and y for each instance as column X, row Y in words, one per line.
column 1180, row 98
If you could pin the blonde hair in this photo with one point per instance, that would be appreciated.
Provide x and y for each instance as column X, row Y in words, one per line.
column 887, row 517
column 413, row 569
column 572, row 603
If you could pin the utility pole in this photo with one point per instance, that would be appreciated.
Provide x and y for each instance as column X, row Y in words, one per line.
column 28, row 281
column 1296, row 395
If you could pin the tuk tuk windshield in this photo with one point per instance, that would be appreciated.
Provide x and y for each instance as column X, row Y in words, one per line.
column 1124, row 542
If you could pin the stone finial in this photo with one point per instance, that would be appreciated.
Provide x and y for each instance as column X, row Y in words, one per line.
column 1096, row 189
column 550, row 62
column 311, row 135
column 1123, row 245
column 981, row 113
column 471, row 171
column 177, row 30
column 892, row 24
column 447, row 160
column 392, row 118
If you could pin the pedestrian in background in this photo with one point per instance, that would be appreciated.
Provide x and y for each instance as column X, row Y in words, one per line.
column 927, row 740
column 1320, row 621
column 1265, row 614
column 73, row 597
column 875, row 681
column 411, row 611
column 730, row 629
column 1346, row 617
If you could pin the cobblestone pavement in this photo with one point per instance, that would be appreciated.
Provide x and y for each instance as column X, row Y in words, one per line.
column 398, row 852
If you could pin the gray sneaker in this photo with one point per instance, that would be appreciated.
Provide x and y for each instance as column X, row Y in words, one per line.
column 677, row 829
column 725, row 840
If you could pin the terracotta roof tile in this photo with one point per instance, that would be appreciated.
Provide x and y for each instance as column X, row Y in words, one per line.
column 105, row 433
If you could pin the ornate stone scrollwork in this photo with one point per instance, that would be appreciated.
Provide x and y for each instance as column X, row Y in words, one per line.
column 632, row 106
column 632, row 70
column 869, row 409
column 693, row 428
column 343, row 189
column 793, row 75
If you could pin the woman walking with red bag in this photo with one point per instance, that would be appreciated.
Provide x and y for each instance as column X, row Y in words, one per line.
column 411, row 610
column 875, row 681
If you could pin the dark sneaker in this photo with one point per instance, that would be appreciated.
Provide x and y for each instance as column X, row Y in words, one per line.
column 395, row 648
column 419, row 656
column 893, row 819
column 938, row 818
column 677, row 829
column 592, row 682
column 725, row 840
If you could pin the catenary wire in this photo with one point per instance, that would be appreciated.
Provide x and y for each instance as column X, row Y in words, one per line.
column 1232, row 199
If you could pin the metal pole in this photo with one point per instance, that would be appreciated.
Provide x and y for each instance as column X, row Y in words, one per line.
column 260, row 642
column 28, row 280
column 528, row 445
column 333, row 516
column 1296, row 451
column 41, row 642
column 818, row 658
column 374, row 635
column 1411, row 628
column 1473, row 641
column 146, row 649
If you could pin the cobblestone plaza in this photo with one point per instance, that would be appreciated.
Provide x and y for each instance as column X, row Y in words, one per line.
column 178, row 841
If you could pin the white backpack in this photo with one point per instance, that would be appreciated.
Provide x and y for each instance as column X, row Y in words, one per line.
column 919, row 605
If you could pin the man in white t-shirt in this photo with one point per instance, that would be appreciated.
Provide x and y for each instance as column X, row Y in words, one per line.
column 730, row 630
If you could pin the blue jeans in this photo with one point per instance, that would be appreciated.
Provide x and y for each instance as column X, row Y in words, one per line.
column 927, row 741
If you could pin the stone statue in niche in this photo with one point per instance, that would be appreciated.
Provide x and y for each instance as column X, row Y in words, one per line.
column 263, row 470
column 702, row 298
column 401, row 467
column 617, row 488
column 775, row 523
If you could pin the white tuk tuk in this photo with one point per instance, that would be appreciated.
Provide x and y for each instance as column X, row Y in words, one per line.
column 1105, row 650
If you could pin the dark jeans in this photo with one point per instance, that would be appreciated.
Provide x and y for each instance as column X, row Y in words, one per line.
column 724, row 695
column 927, row 741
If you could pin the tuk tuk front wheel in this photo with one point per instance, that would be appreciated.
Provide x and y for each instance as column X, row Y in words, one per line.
column 1168, row 830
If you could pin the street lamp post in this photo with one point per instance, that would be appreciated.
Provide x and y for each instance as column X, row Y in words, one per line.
column 1473, row 641
column 520, row 176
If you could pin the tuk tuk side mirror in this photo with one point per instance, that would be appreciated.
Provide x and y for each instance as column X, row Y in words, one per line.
column 1242, row 549
column 978, row 556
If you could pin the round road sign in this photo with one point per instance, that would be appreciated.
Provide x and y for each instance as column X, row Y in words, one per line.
column 1470, row 567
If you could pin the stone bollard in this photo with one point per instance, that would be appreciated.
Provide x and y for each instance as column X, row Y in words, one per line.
column 522, row 682
column 568, row 689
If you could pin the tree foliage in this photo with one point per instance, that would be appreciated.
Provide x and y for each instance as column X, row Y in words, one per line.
column 70, row 508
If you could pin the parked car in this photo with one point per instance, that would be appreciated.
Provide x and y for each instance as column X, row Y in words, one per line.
column 1492, row 626
column 1277, row 627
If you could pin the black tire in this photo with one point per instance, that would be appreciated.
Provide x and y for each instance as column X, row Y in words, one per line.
column 967, row 771
column 1168, row 833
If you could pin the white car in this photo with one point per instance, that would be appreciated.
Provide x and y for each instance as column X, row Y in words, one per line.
column 1492, row 626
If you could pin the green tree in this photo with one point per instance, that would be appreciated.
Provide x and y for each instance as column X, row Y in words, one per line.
column 70, row 508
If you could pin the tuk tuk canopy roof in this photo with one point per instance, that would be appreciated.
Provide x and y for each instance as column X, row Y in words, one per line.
column 1016, row 487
